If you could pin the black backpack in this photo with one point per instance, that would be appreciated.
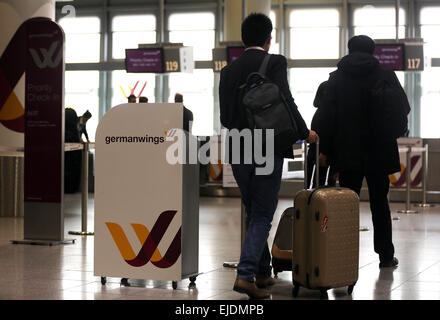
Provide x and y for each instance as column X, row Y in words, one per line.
column 388, row 111
column 265, row 107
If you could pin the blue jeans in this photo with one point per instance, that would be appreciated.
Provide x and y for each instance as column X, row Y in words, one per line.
column 259, row 194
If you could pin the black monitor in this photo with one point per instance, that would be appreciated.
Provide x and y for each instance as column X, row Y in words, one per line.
column 234, row 52
column 146, row 60
column 391, row 55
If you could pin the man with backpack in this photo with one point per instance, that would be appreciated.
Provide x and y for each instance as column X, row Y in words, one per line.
column 363, row 112
column 259, row 192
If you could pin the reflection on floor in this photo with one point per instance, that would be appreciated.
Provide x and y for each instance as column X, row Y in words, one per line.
column 66, row 272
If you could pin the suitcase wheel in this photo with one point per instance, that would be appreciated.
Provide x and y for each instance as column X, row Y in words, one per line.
column 324, row 294
column 295, row 291
column 350, row 288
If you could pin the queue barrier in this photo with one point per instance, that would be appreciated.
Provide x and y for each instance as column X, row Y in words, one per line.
column 85, row 147
column 409, row 151
column 17, row 153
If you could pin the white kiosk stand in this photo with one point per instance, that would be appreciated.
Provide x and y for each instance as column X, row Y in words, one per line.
column 146, row 209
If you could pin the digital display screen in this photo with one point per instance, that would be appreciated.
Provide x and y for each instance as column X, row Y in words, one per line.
column 234, row 52
column 390, row 55
column 144, row 60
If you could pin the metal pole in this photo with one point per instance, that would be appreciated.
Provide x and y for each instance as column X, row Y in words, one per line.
column 281, row 28
column 244, row 9
column 424, row 204
column 317, row 165
column 84, row 192
column 306, row 178
column 408, row 183
column 16, row 182
column 397, row 19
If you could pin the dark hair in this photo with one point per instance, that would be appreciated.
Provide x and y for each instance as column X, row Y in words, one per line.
column 178, row 97
column 143, row 99
column 361, row 44
column 256, row 29
column 131, row 96
column 87, row 114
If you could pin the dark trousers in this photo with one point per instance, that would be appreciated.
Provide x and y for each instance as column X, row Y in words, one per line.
column 378, row 187
column 259, row 194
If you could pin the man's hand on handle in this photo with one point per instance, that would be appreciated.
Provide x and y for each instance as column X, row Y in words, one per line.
column 313, row 137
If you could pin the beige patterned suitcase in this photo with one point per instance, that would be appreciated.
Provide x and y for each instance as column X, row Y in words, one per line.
column 325, row 239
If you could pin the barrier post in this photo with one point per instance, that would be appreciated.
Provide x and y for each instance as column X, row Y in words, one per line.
column 84, row 192
column 408, row 184
column 424, row 204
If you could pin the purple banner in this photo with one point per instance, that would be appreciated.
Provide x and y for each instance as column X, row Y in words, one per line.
column 144, row 60
column 44, row 119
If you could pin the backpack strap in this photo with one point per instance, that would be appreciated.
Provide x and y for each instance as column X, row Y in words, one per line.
column 264, row 64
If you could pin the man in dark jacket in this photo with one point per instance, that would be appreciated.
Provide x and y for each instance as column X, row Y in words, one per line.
column 259, row 192
column 324, row 171
column 346, row 134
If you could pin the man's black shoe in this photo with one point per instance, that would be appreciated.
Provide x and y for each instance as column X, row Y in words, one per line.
column 389, row 263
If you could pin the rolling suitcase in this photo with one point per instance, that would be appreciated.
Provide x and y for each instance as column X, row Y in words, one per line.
column 325, row 239
column 282, row 243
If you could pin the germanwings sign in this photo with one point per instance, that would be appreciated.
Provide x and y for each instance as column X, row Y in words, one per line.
column 27, row 49
column 44, row 117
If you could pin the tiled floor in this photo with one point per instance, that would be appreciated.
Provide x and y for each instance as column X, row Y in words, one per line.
column 66, row 271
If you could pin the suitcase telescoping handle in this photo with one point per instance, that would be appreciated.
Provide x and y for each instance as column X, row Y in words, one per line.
column 315, row 170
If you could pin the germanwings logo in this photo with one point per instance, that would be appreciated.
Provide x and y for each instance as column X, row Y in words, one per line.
column 48, row 59
column 149, row 241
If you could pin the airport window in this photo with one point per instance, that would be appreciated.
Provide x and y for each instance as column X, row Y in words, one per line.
column 378, row 22
column 304, row 82
column 197, row 90
column 196, row 30
column 314, row 34
column 430, row 29
column 82, row 39
column 81, row 94
column 142, row 84
column 129, row 31
column 275, row 46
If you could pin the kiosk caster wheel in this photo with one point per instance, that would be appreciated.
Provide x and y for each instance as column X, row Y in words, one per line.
column 103, row 280
column 324, row 294
column 174, row 284
column 125, row 283
column 192, row 283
